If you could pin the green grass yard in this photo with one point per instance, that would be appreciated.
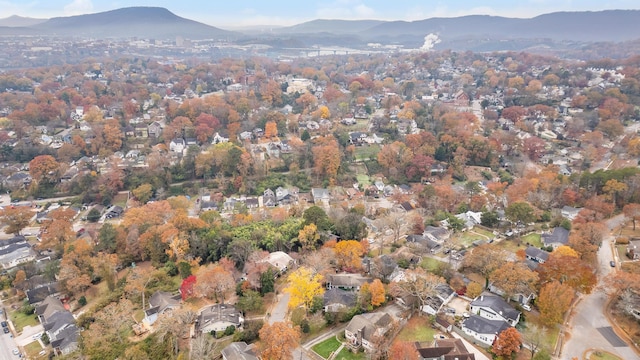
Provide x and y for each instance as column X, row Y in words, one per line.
column 430, row 264
column 533, row 239
column 346, row 354
column 326, row 347
column 21, row 320
column 33, row 350
column 367, row 152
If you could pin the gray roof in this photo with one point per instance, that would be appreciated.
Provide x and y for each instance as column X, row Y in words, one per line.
column 40, row 293
column 481, row 325
column 497, row 305
column 369, row 323
column 164, row 300
column 535, row 253
column 559, row 235
column 238, row 351
column 219, row 312
column 49, row 306
column 339, row 296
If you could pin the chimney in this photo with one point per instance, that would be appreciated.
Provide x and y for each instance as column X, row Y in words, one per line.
column 481, row 297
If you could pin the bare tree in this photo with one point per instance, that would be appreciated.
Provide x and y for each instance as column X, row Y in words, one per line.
column 203, row 347
column 534, row 338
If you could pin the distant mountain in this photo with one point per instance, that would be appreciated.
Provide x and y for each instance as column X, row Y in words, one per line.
column 19, row 21
column 144, row 22
column 609, row 25
column 330, row 26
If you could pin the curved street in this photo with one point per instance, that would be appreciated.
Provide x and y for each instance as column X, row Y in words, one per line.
column 588, row 326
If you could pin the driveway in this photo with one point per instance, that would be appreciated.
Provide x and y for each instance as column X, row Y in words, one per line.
column 588, row 327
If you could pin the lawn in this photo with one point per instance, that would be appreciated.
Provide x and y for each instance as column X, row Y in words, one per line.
column 21, row 320
column 417, row 329
column 363, row 180
column 120, row 200
column 533, row 239
column 346, row 354
column 430, row 264
column 326, row 347
column 466, row 239
column 367, row 152
column 33, row 349
column 551, row 335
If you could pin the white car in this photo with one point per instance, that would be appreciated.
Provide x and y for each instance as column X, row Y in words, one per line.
column 15, row 351
column 526, row 307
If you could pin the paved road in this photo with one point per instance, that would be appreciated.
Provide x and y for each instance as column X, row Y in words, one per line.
column 588, row 316
column 279, row 312
column 7, row 342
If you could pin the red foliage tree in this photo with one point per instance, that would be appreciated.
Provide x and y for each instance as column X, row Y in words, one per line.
column 187, row 287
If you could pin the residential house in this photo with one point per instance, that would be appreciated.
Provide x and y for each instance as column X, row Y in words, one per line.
column 433, row 305
column 494, row 307
column 357, row 137
column 114, row 212
column 537, row 255
column 286, row 196
column 268, row 198
column 17, row 180
column 569, row 212
column 363, row 330
column 633, row 249
column 344, row 281
column 141, row 131
column 483, row 330
column 436, row 233
column 59, row 324
column 320, row 196
column 160, row 302
column 444, row 349
column 337, row 300
column 15, row 251
column 177, row 145
column 218, row 317
column 279, row 260
column 470, row 219
column 217, row 139
column 426, row 243
column 154, row 129
column 239, row 351
column 37, row 295
column 558, row 237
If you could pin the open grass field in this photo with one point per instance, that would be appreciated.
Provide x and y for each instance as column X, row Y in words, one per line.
column 417, row 328
column 120, row 200
column 534, row 239
column 326, row 347
column 430, row 264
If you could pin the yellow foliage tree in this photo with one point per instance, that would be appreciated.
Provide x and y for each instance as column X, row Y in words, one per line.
column 308, row 237
column 377, row 292
column 565, row 250
column 304, row 285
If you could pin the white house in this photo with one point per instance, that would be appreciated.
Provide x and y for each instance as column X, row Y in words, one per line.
column 483, row 330
column 493, row 307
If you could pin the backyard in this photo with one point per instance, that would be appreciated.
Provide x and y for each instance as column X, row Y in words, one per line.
column 366, row 152
column 20, row 320
column 418, row 328
column 33, row 350
column 467, row 238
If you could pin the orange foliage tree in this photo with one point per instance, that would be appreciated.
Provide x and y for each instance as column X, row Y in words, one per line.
column 507, row 343
column 15, row 218
column 278, row 340
column 554, row 300
column 403, row 350
column 347, row 253
column 214, row 282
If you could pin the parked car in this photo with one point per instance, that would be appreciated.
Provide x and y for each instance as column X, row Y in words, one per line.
column 6, row 330
column 526, row 307
column 4, row 324
column 612, row 263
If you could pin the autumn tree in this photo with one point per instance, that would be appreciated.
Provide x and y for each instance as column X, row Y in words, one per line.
column 303, row 287
column 507, row 343
column 632, row 211
column 308, row 237
column 377, row 291
column 187, row 288
column 58, row 230
column 278, row 340
column 326, row 158
column 474, row 290
column 143, row 193
column 214, row 282
column 44, row 169
column 403, row 350
column 270, row 130
column 347, row 254
column 137, row 281
column 554, row 300
column 514, row 278
column 418, row 283
column 568, row 270
column 15, row 218
column 484, row 259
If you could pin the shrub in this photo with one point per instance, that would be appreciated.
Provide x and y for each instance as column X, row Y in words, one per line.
column 304, row 325
column 82, row 301
column 229, row 330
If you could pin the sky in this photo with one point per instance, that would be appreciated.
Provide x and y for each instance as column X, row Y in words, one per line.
column 243, row 13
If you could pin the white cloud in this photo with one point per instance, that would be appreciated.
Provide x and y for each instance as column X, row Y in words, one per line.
column 78, row 7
